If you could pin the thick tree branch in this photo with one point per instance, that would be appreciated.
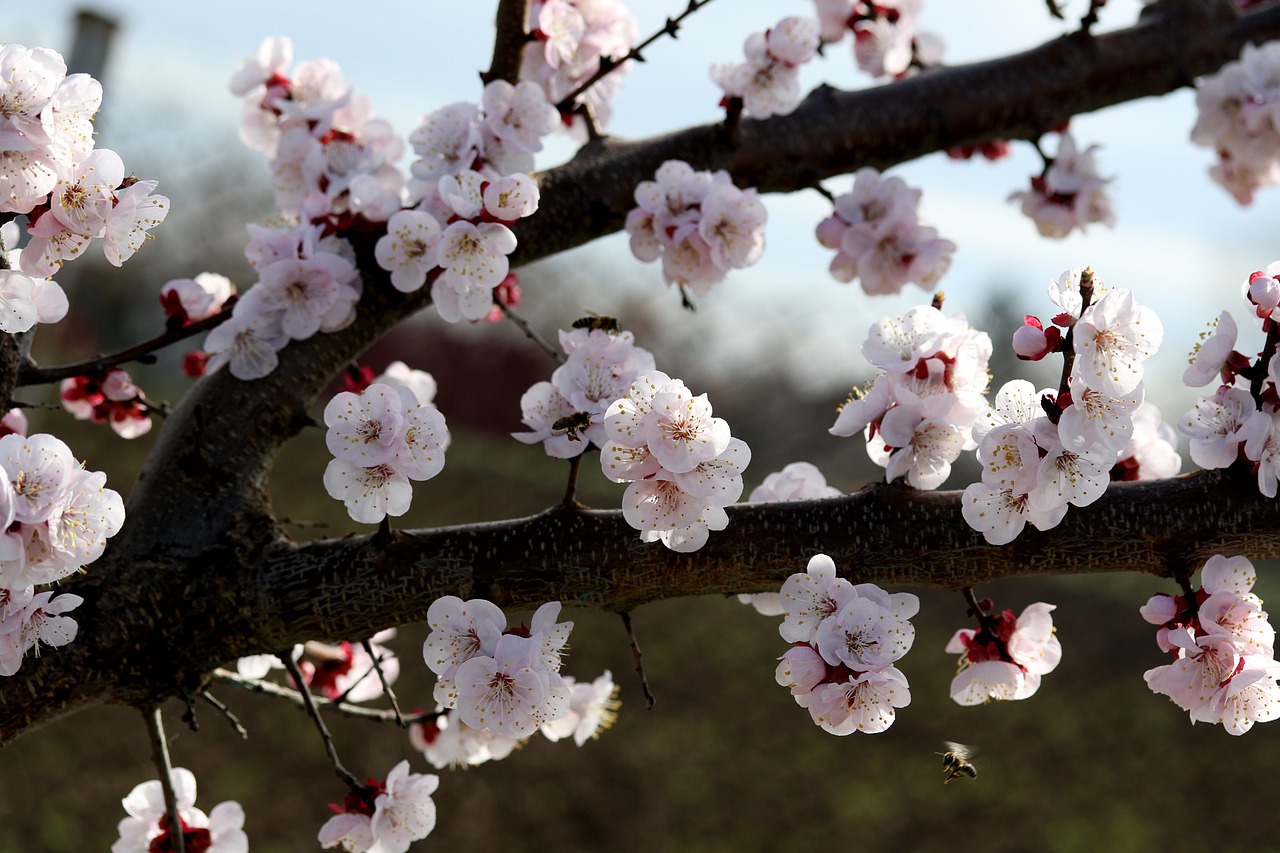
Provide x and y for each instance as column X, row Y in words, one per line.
column 352, row 587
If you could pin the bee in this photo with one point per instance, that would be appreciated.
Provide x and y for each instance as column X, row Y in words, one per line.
column 597, row 321
column 955, row 761
column 570, row 424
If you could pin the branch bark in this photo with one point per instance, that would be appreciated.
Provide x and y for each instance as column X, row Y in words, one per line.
column 238, row 585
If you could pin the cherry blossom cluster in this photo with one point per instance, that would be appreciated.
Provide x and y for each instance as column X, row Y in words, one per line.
column 570, row 40
column 1041, row 452
column 1224, row 669
column 847, row 639
column 567, row 414
column 698, row 223
column 70, row 192
column 1240, row 120
column 886, row 41
column 108, row 398
column 307, row 283
column 768, row 83
column 683, row 465
column 346, row 670
column 879, row 240
column 56, row 519
column 497, row 137
column 330, row 158
column 920, row 413
column 384, row 817
column 147, row 828
column 503, row 680
column 447, row 741
column 1006, row 656
column 190, row 300
column 467, row 258
column 1242, row 416
column 381, row 439
column 798, row 481
column 1069, row 193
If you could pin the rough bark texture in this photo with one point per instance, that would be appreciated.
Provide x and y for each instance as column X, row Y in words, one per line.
column 179, row 592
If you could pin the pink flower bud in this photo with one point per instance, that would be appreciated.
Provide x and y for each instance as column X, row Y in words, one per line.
column 1032, row 343
column 1264, row 292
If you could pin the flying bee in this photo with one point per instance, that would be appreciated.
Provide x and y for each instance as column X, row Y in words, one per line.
column 570, row 424
column 955, row 761
column 597, row 321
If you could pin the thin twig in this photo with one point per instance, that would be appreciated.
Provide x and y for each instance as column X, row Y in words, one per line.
column 649, row 698
column 226, row 712
column 1054, row 10
column 571, row 490
column 309, row 703
column 386, row 685
column 160, row 757
column 279, row 691
column 609, row 64
column 1091, row 17
column 823, row 191
column 975, row 606
column 529, row 333
column 32, row 375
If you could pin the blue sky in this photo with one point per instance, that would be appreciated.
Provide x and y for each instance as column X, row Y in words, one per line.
column 1180, row 242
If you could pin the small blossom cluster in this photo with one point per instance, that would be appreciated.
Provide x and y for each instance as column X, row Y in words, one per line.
column 505, row 681
column 1041, row 453
column 886, row 41
column 768, row 83
column 70, row 192
column 698, row 223
column 190, row 300
column 919, row 415
column 847, row 639
column 879, row 240
column 381, row 438
column 56, row 519
column 1005, row 658
column 330, row 158
column 383, row 817
column 108, row 398
column 1068, row 194
column 798, row 481
column 683, row 465
column 337, row 671
column 497, row 137
column 307, row 283
column 1224, row 669
column 570, row 40
column 446, row 741
column 600, row 366
column 1240, row 120
column 467, row 258
column 1235, row 422
column 147, row 828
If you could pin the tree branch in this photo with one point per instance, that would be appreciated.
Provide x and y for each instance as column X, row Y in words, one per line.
column 355, row 586
column 834, row 132
column 33, row 375
column 508, row 41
